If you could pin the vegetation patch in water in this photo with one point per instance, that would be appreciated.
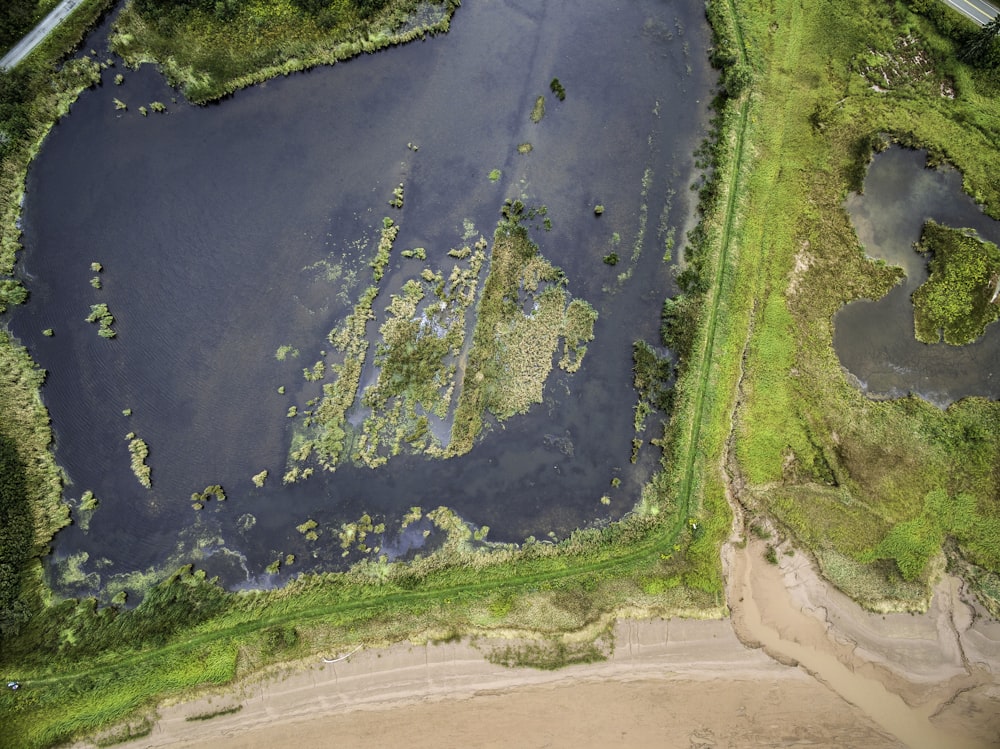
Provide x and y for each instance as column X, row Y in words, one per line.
column 211, row 49
column 325, row 436
column 139, row 451
column 100, row 314
column 523, row 312
column 210, row 491
column 416, row 360
column 538, row 111
column 557, row 88
column 962, row 295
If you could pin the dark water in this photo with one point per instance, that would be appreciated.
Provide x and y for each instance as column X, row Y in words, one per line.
column 875, row 340
column 209, row 223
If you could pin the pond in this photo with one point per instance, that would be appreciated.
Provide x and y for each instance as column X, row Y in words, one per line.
column 233, row 238
column 875, row 339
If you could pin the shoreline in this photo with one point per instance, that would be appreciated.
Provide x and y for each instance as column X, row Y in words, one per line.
column 818, row 669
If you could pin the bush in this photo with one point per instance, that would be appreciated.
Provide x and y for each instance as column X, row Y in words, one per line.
column 15, row 534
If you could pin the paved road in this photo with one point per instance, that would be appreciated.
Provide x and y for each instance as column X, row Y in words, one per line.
column 20, row 50
column 979, row 11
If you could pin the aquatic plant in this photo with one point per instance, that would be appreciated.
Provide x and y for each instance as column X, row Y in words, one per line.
column 557, row 88
column 260, row 478
column 317, row 372
column 611, row 258
column 139, row 451
column 524, row 148
column 88, row 501
column 100, row 314
column 397, row 197
column 96, row 267
column 143, row 111
column 119, row 79
column 215, row 490
column 48, row 332
column 96, row 282
column 158, row 106
column 494, row 175
column 598, row 210
column 512, row 352
column 962, row 293
column 119, row 104
column 285, row 351
column 538, row 111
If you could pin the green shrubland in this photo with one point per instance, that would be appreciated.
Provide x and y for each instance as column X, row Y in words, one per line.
column 962, row 295
column 848, row 475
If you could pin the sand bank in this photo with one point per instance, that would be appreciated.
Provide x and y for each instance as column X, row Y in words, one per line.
column 798, row 664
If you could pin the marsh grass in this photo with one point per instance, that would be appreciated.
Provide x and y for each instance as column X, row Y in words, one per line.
column 962, row 294
column 100, row 314
column 512, row 351
column 139, row 451
column 328, row 438
column 538, row 110
column 211, row 53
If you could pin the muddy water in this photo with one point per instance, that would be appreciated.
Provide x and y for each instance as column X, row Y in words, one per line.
column 875, row 340
column 764, row 615
column 228, row 231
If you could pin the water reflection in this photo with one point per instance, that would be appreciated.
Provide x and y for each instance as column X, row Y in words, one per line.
column 229, row 231
column 875, row 340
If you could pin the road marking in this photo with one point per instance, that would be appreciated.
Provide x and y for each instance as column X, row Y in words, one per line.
column 984, row 16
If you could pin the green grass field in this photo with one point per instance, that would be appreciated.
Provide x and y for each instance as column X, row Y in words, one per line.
column 839, row 470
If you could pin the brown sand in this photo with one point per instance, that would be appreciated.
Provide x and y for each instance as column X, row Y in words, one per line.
column 819, row 671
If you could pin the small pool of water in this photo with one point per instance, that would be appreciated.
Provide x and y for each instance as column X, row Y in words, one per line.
column 875, row 339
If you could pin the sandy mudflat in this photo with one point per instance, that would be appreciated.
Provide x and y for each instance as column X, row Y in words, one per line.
column 668, row 683
column 839, row 677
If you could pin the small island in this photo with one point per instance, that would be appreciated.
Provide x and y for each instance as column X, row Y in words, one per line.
column 961, row 296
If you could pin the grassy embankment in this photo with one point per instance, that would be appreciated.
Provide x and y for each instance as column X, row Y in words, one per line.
column 33, row 96
column 84, row 668
column 210, row 49
column 858, row 482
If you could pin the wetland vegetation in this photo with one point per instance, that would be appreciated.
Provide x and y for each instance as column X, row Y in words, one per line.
column 211, row 49
column 873, row 489
column 961, row 296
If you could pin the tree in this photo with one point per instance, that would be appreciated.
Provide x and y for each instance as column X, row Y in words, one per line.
column 981, row 48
